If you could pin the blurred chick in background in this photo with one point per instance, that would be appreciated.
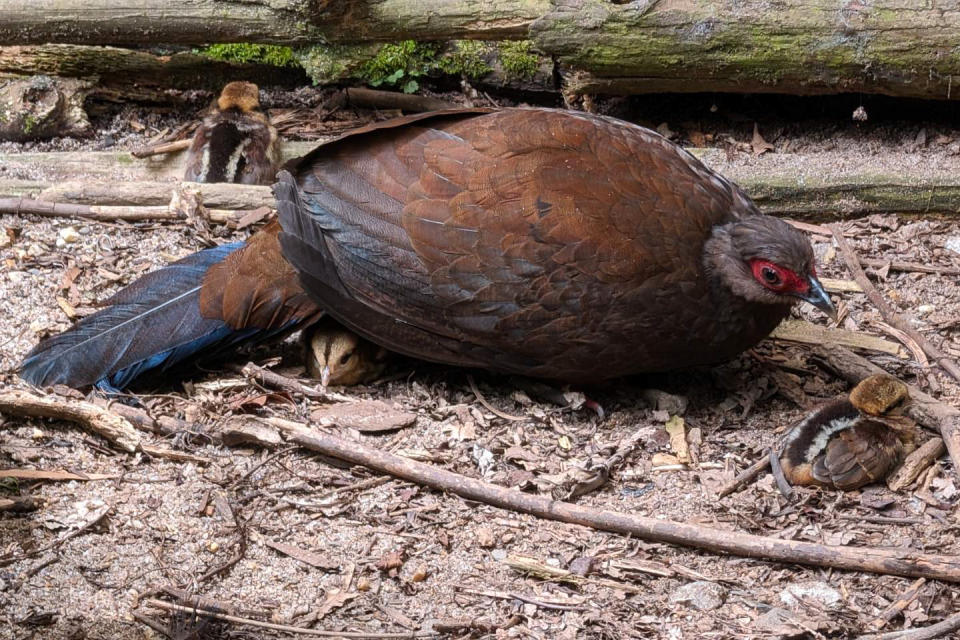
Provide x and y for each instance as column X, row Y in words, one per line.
column 235, row 142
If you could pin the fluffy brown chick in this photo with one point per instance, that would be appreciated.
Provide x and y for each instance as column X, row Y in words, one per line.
column 340, row 357
column 879, row 395
column 235, row 142
column 850, row 442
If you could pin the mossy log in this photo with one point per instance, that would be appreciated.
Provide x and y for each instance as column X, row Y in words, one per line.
column 42, row 107
column 896, row 47
column 794, row 185
column 135, row 22
column 116, row 72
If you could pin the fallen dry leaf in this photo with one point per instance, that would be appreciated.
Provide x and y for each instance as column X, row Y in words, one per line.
column 390, row 560
column 335, row 599
column 366, row 416
column 307, row 557
column 678, row 438
column 758, row 144
column 36, row 474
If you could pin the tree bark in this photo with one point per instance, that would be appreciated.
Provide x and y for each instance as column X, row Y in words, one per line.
column 895, row 47
column 127, row 74
column 43, row 107
column 266, row 21
column 793, row 185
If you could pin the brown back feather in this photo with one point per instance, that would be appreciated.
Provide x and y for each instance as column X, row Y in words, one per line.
column 256, row 287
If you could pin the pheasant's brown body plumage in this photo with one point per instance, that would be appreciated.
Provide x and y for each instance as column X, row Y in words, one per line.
column 542, row 242
column 537, row 242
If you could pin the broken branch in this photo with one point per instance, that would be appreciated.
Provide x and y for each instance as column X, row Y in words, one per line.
column 892, row 317
column 916, row 463
column 118, row 431
column 871, row 559
column 19, row 206
column 160, row 149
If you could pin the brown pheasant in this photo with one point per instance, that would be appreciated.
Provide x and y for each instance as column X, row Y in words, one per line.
column 541, row 242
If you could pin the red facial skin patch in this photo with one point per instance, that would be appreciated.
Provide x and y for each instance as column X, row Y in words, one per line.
column 789, row 282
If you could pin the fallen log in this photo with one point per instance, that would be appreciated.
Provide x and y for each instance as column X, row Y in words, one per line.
column 892, row 47
column 116, row 73
column 43, row 107
column 794, row 185
column 266, row 21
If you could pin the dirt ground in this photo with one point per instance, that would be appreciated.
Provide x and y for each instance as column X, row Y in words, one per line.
column 390, row 559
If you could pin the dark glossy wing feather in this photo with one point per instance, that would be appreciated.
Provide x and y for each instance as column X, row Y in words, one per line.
column 201, row 306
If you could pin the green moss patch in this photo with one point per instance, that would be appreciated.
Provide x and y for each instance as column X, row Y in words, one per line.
column 518, row 58
column 270, row 54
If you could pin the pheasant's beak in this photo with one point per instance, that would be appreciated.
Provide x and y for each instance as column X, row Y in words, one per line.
column 325, row 376
column 819, row 298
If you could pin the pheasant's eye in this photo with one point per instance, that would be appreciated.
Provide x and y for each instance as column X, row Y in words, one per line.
column 774, row 277
column 771, row 276
column 345, row 358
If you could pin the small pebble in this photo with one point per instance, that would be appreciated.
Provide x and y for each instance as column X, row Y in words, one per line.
column 420, row 574
column 953, row 244
column 818, row 591
column 701, row 595
column 68, row 234
column 213, row 547
column 924, row 309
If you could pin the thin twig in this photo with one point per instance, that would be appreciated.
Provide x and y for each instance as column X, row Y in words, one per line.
column 746, row 476
column 940, row 630
column 492, row 409
column 897, row 265
column 160, row 604
column 892, row 317
column 59, row 541
column 510, row 595
column 160, row 149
